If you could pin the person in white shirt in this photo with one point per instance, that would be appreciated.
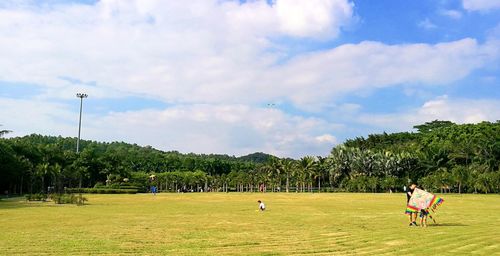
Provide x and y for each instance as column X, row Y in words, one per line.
column 262, row 207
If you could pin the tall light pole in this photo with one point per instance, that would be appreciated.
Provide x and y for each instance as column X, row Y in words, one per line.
column 81, row 96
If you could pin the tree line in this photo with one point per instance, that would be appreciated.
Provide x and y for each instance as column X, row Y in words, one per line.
column 441, row 156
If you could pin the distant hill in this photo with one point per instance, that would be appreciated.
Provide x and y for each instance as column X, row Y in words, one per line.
column 257, row 157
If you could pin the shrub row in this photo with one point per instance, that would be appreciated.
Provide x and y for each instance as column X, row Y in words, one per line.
column 129, row 187
column 36, row 197
column 68, row 199
column 101, row 191
column 121, row 186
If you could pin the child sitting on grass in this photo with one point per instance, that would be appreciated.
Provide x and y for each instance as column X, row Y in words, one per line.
column 262, row 207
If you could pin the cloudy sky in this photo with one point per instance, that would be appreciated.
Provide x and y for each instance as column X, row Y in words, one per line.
column 286, row 77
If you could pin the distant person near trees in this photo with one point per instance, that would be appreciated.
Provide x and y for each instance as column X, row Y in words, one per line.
column 152, row 180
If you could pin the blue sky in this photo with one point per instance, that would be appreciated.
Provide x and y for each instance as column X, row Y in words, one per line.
column 290, row 78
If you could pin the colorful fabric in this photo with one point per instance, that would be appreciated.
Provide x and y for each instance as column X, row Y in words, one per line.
column 421, row 199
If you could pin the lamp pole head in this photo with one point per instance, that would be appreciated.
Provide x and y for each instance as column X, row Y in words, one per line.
column 81, row 95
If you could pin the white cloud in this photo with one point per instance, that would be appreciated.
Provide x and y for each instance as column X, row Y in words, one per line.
column 326, row 138
column 196, row 51
column 481, row 5
column 494, row 33
column 24, row 117
column 228, row 129
column 315, row 78
column 453, row 14
column 214, row 52
column 457, row 110
column 460, row 110
column 215, row 61
column 316, row 18
column 349, row 108
column 321, row 19
column 427, row 24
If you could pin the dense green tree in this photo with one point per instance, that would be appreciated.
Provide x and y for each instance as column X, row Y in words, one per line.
column 441, row 156
column 3, row 132
column 431, row 126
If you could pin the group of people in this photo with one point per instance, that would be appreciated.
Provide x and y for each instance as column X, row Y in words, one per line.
column 423, row 213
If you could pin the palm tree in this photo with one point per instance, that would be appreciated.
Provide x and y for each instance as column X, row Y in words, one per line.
column 334, row 171
column 443, row 178
column 460, row 175
column 363, row 162
column 321, row 167
column 56, row 171
column 287, row 165
column 297, row 175
column 477, row 177
column 264, row 175
column 339, row 162
column 224, row 180
column 277, row 170
column 200, row 177
column 41, row 171
column 26, row 168
column 306, row 168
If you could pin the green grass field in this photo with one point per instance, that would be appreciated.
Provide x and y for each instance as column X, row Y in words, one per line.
column 228, row 224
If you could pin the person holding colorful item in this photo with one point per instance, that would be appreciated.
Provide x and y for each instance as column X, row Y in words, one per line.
column 421, row 201
column 413, row 215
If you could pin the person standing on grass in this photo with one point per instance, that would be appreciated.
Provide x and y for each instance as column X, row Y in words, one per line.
column 423, row 217
column 262, row 207
column 409, row 192
column 152, row 180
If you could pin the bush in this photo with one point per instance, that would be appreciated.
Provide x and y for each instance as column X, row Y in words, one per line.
column 99, row 185
column 69, row 199
column 128, row 187
column 139, row 188
column 101, row 191
column 36, row 197
column 115, row 186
